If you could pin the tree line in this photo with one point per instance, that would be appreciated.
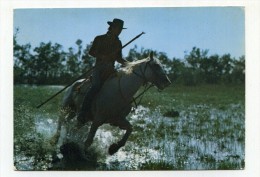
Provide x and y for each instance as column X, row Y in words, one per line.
column 48, row 63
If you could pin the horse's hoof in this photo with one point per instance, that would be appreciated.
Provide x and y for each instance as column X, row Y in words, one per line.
column 71, row 151
column 113, row 149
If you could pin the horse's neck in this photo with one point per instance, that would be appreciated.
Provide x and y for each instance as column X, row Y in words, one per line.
column 130, row 83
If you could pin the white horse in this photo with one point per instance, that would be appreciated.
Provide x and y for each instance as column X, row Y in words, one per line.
column 113, row 102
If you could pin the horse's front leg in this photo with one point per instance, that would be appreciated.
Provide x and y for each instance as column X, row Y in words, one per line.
column 124, row 125
column 92, row 132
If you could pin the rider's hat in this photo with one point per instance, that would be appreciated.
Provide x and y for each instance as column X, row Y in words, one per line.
column 117, row 22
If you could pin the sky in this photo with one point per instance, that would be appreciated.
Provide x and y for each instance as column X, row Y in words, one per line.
column 172, row 30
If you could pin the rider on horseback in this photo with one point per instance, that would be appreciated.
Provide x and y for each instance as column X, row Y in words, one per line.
column 106, row 49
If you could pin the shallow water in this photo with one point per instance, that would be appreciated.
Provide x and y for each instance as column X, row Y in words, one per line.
column 45, row 125
column 201, row 138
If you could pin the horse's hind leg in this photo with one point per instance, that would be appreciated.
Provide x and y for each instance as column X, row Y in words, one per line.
column 56, row 136
column 61, row 120
column 125, row 125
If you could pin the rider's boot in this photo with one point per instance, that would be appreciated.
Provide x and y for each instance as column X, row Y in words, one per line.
column 84, row 112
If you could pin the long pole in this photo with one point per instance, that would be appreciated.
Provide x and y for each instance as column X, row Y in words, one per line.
column 40, row 105
column 64, row 88
column 133, row 39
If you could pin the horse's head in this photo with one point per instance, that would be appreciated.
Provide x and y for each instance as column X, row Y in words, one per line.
column 155, row 73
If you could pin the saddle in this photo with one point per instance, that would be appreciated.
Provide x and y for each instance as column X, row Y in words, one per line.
column 88, row 81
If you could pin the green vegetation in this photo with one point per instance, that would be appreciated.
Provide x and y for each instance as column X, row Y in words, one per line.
column 50, row 64
column 207, row 133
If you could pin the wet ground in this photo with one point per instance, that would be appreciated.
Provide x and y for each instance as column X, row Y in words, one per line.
column 199, row 137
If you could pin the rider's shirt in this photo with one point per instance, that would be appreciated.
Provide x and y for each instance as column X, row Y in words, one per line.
column 108, row 47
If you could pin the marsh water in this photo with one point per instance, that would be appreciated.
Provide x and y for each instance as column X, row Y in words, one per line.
column 199, row 137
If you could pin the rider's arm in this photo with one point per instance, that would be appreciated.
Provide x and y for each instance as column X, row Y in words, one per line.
column 93, row 50
column 119, row 57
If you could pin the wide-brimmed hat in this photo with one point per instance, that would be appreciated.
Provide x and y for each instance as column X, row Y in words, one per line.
column 117, row 22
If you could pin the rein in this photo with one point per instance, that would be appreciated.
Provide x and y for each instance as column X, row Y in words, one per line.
column 147, row 87
column 134, row 99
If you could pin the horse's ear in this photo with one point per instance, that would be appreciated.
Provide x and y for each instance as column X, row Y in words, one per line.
column 151, row 55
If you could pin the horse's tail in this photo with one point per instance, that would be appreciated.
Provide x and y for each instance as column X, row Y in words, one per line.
column 74, row 94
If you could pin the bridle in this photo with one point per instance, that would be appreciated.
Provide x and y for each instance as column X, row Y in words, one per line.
column 142, row 75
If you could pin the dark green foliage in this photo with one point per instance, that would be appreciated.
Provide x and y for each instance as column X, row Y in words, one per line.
column 160, row 165
column 50, row 64
column 227, row 165
column 171, row 113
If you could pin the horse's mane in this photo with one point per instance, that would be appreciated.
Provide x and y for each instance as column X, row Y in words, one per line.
column 128, row 69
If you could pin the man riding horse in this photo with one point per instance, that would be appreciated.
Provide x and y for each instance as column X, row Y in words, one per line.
column 106, row 49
